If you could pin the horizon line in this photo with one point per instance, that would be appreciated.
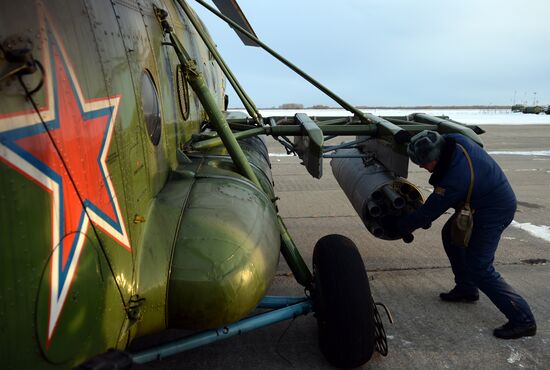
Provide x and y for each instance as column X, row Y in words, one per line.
column 497, row 106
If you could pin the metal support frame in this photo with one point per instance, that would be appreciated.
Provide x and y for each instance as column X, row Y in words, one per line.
column 275, row 302
column 295, row 130
column 399, row 134
column 329, row 148
column 445, row 126
column 197, row 83
column 245, row 99
column 216, row 141
column 289, row 130
column 309, row 145
column 216, row 335
column 293, row 257
column 325, row 121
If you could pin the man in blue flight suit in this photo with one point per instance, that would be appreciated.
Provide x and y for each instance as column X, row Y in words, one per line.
column 494, row 205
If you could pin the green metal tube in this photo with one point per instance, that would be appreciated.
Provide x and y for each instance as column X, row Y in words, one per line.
column 399, row 121
column 400, row 135
column 446, row 126
column 248, row 104
column 411, row 125
column 418, row 127
column 240, row 126
column 349, row 130
column 294, row 130
column 214, row 142
column 197, row 83
column 326, row 120
column 240, row 121
column 408, row 118
column 335, row 121
column 293, row 258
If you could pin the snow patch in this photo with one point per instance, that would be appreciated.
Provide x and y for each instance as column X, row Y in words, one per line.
column 515, row 356
column 542, row 231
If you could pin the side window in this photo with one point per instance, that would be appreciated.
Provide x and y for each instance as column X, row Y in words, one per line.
column 183, row 92
column 151, row 108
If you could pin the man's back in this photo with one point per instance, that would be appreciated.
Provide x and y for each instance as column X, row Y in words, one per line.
column 492, row 191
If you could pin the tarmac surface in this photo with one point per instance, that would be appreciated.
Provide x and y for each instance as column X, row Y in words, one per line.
column 407, row 278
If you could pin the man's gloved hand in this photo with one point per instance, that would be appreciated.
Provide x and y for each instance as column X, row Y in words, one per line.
column 389, row 224
column 408, row 238
column 402, row 226
column 394, row 228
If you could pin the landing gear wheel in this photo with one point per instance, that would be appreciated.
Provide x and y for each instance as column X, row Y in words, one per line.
column 343, row 303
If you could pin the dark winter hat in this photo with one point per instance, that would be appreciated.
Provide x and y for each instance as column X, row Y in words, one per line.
column 425, row 147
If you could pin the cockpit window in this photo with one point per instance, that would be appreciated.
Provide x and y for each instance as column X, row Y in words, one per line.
column 151, row 107
column 183, row 92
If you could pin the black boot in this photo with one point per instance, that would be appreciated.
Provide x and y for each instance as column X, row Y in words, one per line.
column 455, row 295
column 514, row 331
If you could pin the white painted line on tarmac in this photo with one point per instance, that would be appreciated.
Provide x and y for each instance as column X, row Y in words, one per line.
column 542, row 231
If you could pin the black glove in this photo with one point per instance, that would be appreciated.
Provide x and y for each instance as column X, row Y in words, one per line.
column 389, row 224
column 408, row 238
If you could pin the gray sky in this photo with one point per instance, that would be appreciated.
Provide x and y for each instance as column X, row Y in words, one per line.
column 393, row 52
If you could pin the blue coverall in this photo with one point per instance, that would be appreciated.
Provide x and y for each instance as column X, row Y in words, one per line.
column 494, row 203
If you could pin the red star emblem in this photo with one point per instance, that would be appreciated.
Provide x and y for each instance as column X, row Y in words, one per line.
column 66, row 155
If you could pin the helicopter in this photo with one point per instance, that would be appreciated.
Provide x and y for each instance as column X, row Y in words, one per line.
column 132, row 201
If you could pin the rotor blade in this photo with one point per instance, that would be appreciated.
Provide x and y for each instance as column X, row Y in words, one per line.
column 232, row 10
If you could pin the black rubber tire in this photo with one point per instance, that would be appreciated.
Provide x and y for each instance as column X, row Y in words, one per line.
column 343, row 303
